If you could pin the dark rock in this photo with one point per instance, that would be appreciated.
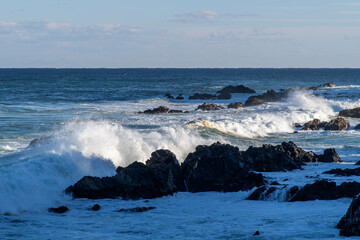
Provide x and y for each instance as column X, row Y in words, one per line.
column 261, row 193
column 165, row 160
column 315, row 124
column 235, row 105
column 357, row 163
column 175, row 111
column 236, row 89
column 349, row 224
column 180, row 97
column 338, row 124
column 329, row 155
column 202, row 96
column 133, row 182
column 168, row 95
column 269, row 96
column 159, row 110
column 96, row 207
column 38, row 141
column 224, row 96
column 324, row 190
column 136, row 209
column 209, row 107
column 298, row 125
column 357, row 127
column 218, row 167
column 257, row 233
column 344, row 172
column 330, row 84
column 61, row 209
column 353, row 113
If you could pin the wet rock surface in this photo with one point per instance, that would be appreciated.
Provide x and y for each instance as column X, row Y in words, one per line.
column 136, row 209
column 202, row 96
column 344, row 172
column 209, row 107
column 236, row 89
column 236, row 105
column 349, row 224
column 269, row 96
column 353, row 113
column 60, row 210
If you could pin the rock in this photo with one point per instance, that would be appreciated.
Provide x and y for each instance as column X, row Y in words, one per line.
column 180, row 97
column 269, row 96
column 357, row 127
column 261, row 193
column 224, row 96
column 38, row 141
column 324, row 190
column 136, row 209
column 165, row 160
column 133, row 182
column 357, row 163
column 218, row 167
column 329, row 155
column 159, row 110
column 209, row 107
column 353, row 113
column 236, row 105
column 60, row 210
column 257, row 233
column 315, row 124
column 253, row 101
column 236, row 89
column 96, row 207
column 202, row 96
column 284, row 157
column 338, row 124
column 297, row 125
column 168, row 95
column 349, row 224
column 330, row 84
column 344, row 172
column 175, row 111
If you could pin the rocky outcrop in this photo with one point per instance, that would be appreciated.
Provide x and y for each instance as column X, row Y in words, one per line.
column 236, row 89
column 218, row 167
column 96, row 207
column 315, row 124
column 236, row 105
column 61, row 209
column 224, row 96
column 357, row 127
column 209, row 107
column 168, row 95
column 344, row 172
column 165, row 160
column 269, row 96
column 133, row 182
column 349, row 224
column 136, row 209
column 325, row 190
column 338, row 124
column 179, row 97
column 202, row 96
column 353, row 113
column 162, row 110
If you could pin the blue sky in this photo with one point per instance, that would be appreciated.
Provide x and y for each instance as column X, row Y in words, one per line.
column 171, row 33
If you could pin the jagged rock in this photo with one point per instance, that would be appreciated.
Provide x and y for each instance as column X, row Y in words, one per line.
column 236, row 89
column 209, row 107
column 180, row 97
column 165, row 160
column 96, row 207
column 344, row 172
column 269, row 96
column 329, row 155
column 349, row 224
column 353, row 113
column 263, row 192
column 168, row 95
column 218, row 167
column 338, row 124
column 133, row 182
column 61, row 209
column 202, row 96
column 315, row 124
column 136, row 209
column 224, row 96
column 324, row 190
column 159, row 110
column 357, row 127
column 236, row 105
column 257, row 233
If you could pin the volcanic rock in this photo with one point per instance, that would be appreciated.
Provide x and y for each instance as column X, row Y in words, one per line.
column 353, row 113
column 209, row 107
column 218, row 167
column 236, row 89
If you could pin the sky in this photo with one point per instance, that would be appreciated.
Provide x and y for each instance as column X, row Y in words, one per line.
column 180, row 34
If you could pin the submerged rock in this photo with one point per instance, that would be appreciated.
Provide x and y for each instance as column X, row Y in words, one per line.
column 353, row 113
column 136, row 209
column 325, row 190
column 61, row 209
column 236, row 89
column 349, row 224
column 218, row 167
column 96, row 207
column 202, row 96
column 236, row 105
column 209, row 107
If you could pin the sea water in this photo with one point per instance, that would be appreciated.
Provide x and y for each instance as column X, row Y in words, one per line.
column 88, row 123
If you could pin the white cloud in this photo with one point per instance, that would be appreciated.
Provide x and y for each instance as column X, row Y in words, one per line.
column 7, row 24
column 56, row 26
column 204, row 16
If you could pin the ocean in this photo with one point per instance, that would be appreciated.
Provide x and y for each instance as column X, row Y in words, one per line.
column 89, row 123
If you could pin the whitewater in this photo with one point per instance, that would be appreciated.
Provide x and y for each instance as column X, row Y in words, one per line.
column 87, row 122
